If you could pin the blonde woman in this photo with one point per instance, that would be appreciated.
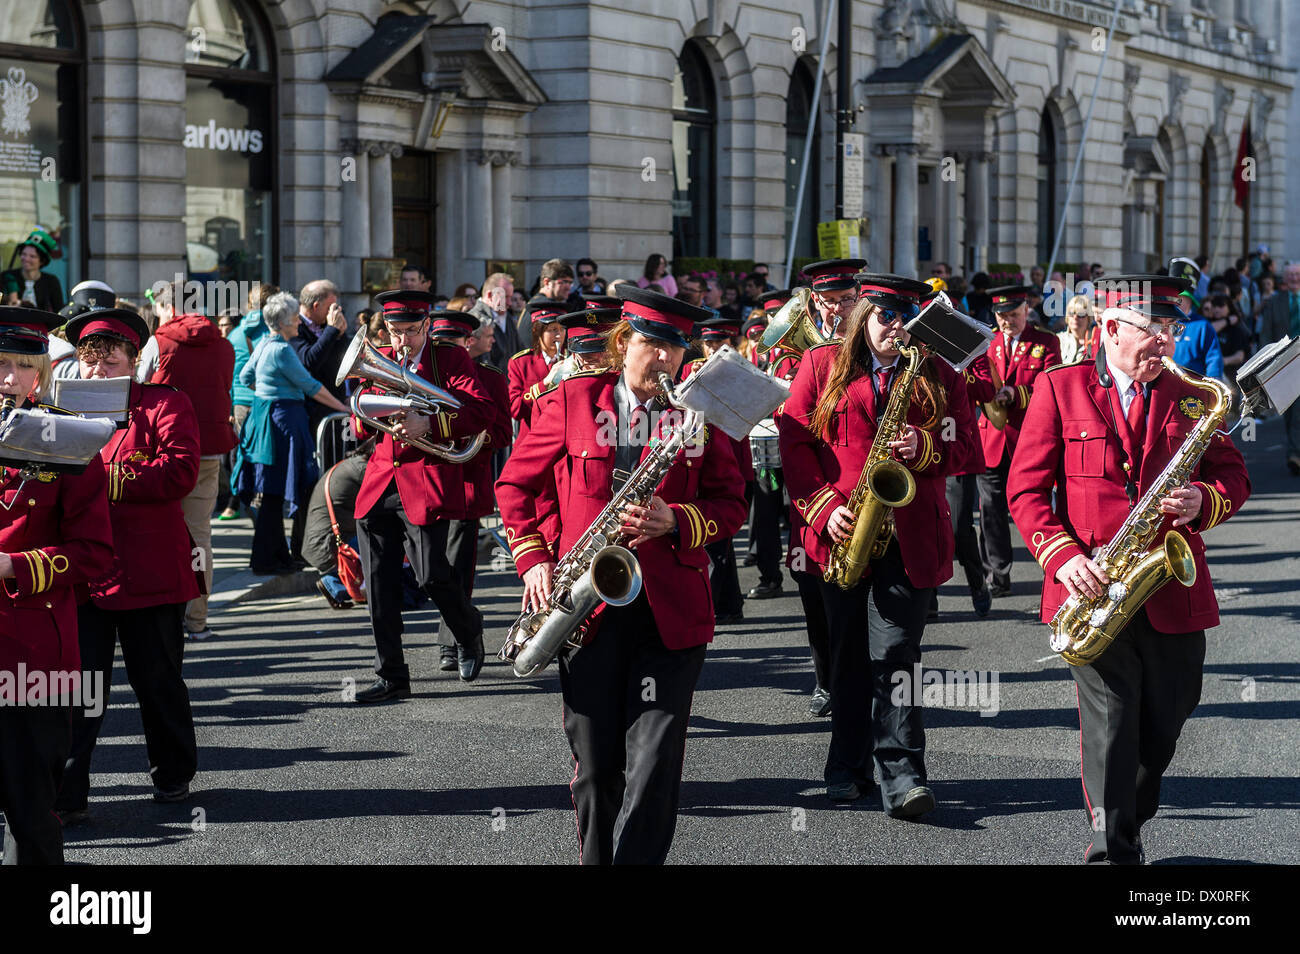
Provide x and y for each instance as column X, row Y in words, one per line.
column 1076, row 338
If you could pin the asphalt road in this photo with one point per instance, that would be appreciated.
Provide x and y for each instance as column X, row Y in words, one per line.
column 290, row 772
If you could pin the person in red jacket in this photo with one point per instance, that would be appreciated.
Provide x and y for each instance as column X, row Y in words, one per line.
column 408, row 498
column 54, row 534
column 466, row 330
column 875, row 627
column 188, row 353
column 627, row 693
column 1097, row 436
column 152, row 464
column 1018, row 355
column 528, row 371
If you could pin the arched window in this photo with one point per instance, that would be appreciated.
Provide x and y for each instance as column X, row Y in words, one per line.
column 1206, row 185
column 798, row 116
column 42, row 133
column 694, row 155
column 230, row 143
column 1048, row 212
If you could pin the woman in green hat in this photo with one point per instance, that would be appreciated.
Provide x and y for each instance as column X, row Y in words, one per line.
column 27, row 282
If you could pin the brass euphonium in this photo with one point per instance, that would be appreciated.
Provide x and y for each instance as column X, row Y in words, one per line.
column 883, row 485
column 402, row 390
column 791, row 328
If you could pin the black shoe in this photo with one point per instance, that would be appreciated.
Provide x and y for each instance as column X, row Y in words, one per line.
column 820, row 703
column 915, row 804
column 1293, row 465
column 932, row 614
column 982, row 600
column 383, row 690
column 843, row 792
column 998, row 590
column 469, row 659
column 447, row 661
column 72, row 816
column 750, row 560
column 177, row 794
column 765, row 591
column 323, row 590
column 725, row 619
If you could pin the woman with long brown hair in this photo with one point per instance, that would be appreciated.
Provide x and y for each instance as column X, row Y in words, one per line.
column 875, row 627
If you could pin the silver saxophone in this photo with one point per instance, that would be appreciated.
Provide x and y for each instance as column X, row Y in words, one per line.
column 598, row 569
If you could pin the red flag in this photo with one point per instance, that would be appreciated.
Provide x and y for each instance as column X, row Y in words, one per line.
column 1240, row 182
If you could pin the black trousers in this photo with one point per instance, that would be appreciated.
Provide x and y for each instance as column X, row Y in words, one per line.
column 725, row 578
column 34, row 744
column 875, row 632
column 384, row 535
column 152, row 650
column 814, row 614
column 1133, row 701
column 963, row 491
column 627, row 701
column 765, row 528
column 462, row 554
column 995, row 525
column 269, row 548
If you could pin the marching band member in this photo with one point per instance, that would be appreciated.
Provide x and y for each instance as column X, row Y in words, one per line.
column 54, row 534
column 769, row 483
column 152, row 465
column 728, row 603
column 408, row 498
column 627, row 694
column 1019, row 355
column 875, row 627
column 1097, row 435
column 467, row 331
column 528, row 369
column 835, row 290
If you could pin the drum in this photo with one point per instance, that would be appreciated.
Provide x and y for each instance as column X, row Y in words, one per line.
column 763, row 442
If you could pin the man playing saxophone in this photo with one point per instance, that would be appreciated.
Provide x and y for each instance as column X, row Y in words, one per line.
column 627, row 692
column 1100, row 434
column 408, row 498
column 842, row 396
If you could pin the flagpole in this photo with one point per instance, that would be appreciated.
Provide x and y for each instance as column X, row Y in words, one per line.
column 1232, row 192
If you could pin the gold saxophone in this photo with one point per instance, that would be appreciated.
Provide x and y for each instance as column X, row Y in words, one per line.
column 1136, row 561
column 883, row 485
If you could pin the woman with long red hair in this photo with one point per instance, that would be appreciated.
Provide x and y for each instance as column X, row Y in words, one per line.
column 875, row 626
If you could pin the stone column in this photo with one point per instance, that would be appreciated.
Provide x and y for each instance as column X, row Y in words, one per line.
column 947, row 197
column 977, row 198
column 479, row 206
column 904, row 234
column 503, row 225
column 381, row 197
column 355, row 205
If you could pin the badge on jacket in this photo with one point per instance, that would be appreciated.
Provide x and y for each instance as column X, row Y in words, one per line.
column 1037, row 352
column 1192, row 407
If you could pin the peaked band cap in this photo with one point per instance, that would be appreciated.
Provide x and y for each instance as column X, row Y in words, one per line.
column 547, row 310
column 26, row 330
column 719, row 329
column 1009, row 297
column 453, row 324
column 117, row 323
column 587, row 328
column 399, row 305
column 775, row 299
column 655, row 315
column 834, row 274
column 895, row 292
column 1155, row 296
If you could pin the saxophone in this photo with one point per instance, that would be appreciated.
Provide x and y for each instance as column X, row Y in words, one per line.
column 883, row 485
column 1139, row 559
column 598, row 568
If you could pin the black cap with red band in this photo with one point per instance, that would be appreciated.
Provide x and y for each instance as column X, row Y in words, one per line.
column 773, row 300
column 834, row 274
column 601, row 301
column 1155, row 296
column 657, row 316
column 720, row 329
column 399, row 305
column 547, row 310
column 895, row 293
column 587, row 328
column 453, row 324
column 116, row 323
column 26, row 330
column 1009, row 297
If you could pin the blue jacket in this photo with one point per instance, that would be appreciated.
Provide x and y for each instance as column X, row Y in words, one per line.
column 244, row 339
column 1198, row 348
column 275, row 373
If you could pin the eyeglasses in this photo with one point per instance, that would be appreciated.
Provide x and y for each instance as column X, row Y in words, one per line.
column 851, row 299
column 585, row 274
column 1170, row 330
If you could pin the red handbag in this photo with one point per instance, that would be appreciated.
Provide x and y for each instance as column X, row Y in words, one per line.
column 350, row 573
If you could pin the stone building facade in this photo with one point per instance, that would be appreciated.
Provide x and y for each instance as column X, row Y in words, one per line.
column 292, row 139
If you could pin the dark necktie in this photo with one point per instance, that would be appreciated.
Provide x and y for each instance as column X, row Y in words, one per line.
column 1137, row 417
column 883, row 376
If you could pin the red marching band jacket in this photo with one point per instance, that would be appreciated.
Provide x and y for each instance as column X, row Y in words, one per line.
column 703, row 487
column 1069, row 442
column 480, row 501
column 56, row 530
column 431, row 489
column 152, row 465
column 1034, row 352
column 821, row 474
column 526, row 371
column 744, row 453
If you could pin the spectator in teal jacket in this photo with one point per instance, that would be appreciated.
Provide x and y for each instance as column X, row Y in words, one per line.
column 244, row 339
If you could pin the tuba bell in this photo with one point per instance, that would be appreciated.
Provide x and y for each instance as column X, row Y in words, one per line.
column 401, row 390
column 791, row 328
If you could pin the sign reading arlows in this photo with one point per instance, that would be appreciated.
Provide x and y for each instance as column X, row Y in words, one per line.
column 225, row 122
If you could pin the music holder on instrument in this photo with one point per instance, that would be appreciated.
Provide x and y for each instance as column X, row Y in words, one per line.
column 95, row 397
column 1271, row 379
column 956, row 337
column 730, row 393
column 36, row 440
